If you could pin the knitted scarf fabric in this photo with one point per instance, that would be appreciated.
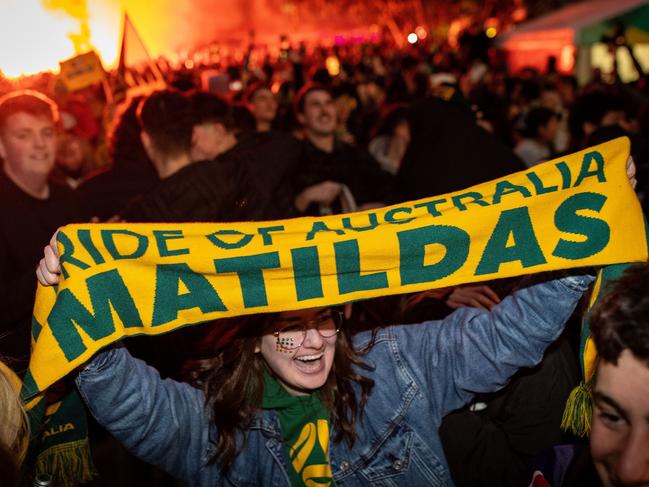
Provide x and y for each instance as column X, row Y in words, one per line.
column 121, row 280
column 579, row 406
column 304, row 423
column 59, row 443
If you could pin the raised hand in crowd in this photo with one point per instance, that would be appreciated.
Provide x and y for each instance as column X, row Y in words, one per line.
column 631, row 171
column 49, row 267
column 324, row 193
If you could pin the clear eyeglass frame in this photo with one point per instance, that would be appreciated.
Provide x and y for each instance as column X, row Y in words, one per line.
column 286, row 340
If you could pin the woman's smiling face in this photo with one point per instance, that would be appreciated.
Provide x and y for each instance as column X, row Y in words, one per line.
column 301, row 368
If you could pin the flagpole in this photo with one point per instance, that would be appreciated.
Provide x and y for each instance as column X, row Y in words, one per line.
column 121, row 66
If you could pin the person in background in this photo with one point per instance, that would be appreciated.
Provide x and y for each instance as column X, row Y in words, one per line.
column 130, row 173
column 31, row 207
column 618, row 455
column 391, row 138
column 594, row 111
column 346, row 102
column 440, row 158
column 619, row 440
column 227, row 165
column 263, row 104
column 327, row 164
column 551, row 99
column 214, row 126
column 167, row 122
column 74, row 159
column 245, row 122
column 539, row 129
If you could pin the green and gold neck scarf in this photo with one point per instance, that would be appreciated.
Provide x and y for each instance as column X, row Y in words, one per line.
column 304, row 424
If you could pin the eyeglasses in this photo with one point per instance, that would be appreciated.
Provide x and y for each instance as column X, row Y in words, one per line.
column 292, row 336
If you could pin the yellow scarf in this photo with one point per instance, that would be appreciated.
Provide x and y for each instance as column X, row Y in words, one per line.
column 131, row 279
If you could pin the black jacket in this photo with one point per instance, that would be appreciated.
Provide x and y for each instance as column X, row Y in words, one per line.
column 249, row 182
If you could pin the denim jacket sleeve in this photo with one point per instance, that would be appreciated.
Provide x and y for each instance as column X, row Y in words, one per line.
column 474, row 351
column 161, row 421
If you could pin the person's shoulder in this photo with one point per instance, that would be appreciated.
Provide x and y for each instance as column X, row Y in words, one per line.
column 309, row 147
column 366, row 340
column 8, row 189
column 198, row 172
column 265, row 141
column 196, row 167
column 353, row 153
column 96, row 175
column 5, row 187
column 60, row 191
column 68, row 202
column 278, row 137
column 341, row 146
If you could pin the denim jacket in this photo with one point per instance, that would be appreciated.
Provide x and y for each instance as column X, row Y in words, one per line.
column 422, row 372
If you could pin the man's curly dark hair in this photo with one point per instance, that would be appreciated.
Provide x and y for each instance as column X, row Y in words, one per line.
column 621, row 321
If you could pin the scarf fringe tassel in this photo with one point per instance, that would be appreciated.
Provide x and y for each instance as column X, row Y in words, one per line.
column 578, row 411
column 69, row 463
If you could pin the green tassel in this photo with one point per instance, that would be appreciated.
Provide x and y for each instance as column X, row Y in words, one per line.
column 69, row 463
column 579, row 409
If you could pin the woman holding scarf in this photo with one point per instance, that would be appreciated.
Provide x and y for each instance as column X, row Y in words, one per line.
column 294, row 399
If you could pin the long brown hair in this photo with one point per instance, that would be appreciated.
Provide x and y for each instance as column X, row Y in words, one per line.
column 233, row 385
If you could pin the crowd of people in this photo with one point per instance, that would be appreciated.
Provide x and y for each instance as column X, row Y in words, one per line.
column 295, row 137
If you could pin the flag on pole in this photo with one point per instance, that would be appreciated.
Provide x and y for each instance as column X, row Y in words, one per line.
column 136, row 69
